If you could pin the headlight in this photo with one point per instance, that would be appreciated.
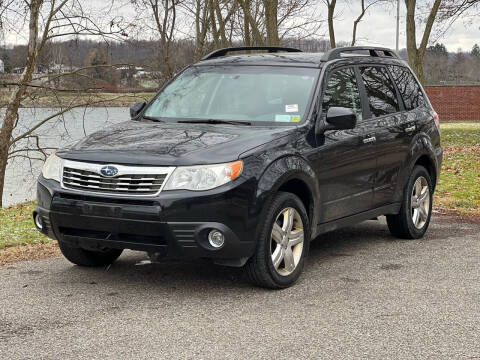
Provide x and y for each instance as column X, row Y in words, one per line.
column 203, row 177
column 52, row 167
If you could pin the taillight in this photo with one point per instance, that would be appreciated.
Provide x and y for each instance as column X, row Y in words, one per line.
column 436, row 119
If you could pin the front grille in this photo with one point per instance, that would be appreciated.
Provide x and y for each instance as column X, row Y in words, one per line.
column 131, row 180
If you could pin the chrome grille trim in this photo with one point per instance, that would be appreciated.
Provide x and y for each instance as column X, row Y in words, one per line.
column 130, row 180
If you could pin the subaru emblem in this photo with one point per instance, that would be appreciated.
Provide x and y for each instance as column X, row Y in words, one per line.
column 109, row 171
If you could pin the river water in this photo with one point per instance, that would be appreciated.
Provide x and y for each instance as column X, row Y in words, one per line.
column 22, row 172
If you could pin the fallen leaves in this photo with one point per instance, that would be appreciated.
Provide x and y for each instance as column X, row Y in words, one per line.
column 28, row 252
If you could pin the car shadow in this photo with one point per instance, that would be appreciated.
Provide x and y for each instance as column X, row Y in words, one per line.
column 134, row 271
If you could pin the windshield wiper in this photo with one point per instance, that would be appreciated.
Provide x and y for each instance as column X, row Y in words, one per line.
column 215, row 121
column 152, row 119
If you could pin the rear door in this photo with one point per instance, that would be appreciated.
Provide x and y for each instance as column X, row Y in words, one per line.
column 392, row 129
column 344, row 160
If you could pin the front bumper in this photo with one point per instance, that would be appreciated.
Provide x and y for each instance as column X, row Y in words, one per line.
column 173, row 224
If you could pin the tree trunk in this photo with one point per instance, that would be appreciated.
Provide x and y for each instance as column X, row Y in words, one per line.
column 271, row 21
column 11, row 112
column 356, row 22
column 201, row 27
column 246, row 26
column 215, row 35
column 416, row 54
column 331, row 29
column 257, row 36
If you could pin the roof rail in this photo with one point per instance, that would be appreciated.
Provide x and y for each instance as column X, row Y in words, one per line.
column 270, row 49
column 373, row 50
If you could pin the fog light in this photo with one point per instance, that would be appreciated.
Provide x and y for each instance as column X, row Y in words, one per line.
column 38, row 222
column 216, row 238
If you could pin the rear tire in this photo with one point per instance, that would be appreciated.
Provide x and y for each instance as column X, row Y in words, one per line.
column 89, row 258
column 282, row 244
column 414, row 217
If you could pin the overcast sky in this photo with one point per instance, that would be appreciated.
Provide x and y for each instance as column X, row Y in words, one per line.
column 377, row 27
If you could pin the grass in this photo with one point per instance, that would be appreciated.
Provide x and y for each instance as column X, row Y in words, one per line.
column 16, row 227
column 460, row 134
column 459, row 184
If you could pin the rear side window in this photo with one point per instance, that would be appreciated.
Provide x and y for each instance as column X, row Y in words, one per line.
column 342, row 91
column 411, row 92
column 380, row 90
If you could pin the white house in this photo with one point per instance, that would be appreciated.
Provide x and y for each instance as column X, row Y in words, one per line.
column 2, row 67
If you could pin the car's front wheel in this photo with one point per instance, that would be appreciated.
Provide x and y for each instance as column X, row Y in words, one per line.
column 282, row 244
column 83, row 257
column 414, row 217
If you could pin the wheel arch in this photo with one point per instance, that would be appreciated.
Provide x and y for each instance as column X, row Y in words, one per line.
column 428, row 163
column 291, row 174
column 422, row 153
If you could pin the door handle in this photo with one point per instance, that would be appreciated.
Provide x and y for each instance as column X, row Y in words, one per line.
column 410, row 128
column 369, row 140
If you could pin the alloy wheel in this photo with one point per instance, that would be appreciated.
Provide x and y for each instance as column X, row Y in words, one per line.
column 286, row 241
column 420, row 202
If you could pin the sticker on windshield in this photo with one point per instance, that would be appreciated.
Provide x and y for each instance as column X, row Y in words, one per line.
column 291, row 108
column 283, row 118
column 295, row 118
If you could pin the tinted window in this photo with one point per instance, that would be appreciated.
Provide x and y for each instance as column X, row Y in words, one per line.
column 411, row 92
column 342, row 91
column 380, row 90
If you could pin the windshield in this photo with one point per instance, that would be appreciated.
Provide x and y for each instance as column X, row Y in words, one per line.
column 255, row 94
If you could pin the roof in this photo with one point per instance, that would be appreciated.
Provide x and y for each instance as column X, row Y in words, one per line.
column 279, row 56
column 298, row 59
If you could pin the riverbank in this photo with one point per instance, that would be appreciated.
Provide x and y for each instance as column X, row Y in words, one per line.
column 73, row 98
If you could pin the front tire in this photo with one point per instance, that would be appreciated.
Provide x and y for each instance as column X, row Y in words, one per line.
column 282, row 244
column 414, row 217
column 89, row 258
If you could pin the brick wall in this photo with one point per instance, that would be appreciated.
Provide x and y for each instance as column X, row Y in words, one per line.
column 455, row 103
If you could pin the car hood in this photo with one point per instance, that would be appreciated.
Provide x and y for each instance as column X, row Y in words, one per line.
column 171, row 144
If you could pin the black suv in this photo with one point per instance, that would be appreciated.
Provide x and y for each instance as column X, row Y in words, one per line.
column 244, row 159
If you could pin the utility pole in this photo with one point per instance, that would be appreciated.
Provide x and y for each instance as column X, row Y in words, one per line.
column 398, row 25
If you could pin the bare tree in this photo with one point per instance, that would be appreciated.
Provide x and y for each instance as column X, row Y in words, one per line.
column 364, row 6
column 47, row 20
column 269, row 22
column 331, row 29
column 164, row 15
column 453, row 9
column 417, row 53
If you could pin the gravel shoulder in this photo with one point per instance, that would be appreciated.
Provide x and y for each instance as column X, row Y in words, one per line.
column 363, row 294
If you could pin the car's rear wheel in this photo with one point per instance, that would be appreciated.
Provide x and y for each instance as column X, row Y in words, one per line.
column 83, row 257
column 414, row 217
column 282, row 244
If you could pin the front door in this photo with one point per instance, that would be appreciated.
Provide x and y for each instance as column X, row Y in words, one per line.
column 344, row 160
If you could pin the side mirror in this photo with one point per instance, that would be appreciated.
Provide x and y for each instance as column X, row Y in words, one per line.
column 136, row 108
column 340, row 118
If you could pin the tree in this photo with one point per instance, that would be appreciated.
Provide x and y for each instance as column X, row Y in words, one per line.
column 475, row 51
column 47, row 20
column 271, row 21
column 163, row 14
column 268, row 22
column 438, row 50
column 364, row 6
column 331, row 29
column 417, row 53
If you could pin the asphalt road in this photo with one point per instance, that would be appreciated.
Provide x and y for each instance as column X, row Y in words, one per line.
column 363, row 295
